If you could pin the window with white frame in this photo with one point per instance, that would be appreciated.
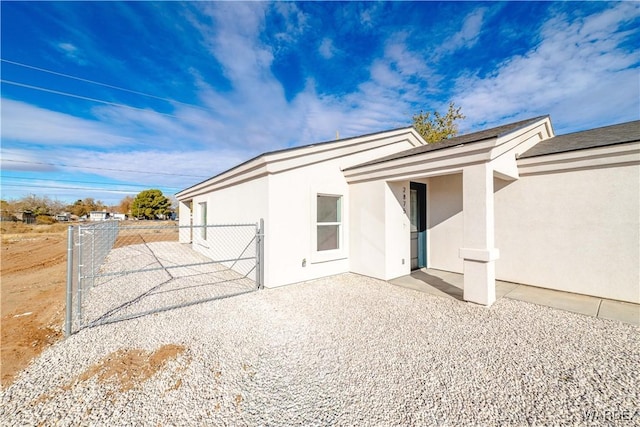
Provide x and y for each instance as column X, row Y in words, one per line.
column 203, row 220
column 328, row 222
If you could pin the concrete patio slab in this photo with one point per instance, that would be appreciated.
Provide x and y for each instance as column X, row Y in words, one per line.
column 575, row 303
column 450, row 285
column 503, row 288
column 433, row 282
column 621, row 311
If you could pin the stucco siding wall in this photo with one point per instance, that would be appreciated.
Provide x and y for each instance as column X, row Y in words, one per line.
column 243, row 203
column 445, row 222
column 397, row 230
column 292, row 218
column 575, row 231
column 367, row 238
column 292, row 223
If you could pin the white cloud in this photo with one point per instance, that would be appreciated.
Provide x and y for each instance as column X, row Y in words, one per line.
column 572, row 74
column 72, row 52
column 295, row 21
column 68, row 48
column 468, row 35
column 28, row 123
column 23, row 160
column 578, row 66
column 327, row 49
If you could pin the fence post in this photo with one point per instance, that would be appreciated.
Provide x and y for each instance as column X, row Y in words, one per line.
column 69, row 316
column 81, row 270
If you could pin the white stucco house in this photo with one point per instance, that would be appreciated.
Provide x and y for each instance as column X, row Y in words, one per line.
column 514, row 203
column 98, row 216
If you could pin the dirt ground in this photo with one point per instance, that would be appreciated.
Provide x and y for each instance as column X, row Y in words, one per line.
column 32, row 277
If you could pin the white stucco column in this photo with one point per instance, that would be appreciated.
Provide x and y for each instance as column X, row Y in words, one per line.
column 478, row 253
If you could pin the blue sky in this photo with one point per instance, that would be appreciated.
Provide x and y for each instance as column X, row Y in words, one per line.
column 105, row 99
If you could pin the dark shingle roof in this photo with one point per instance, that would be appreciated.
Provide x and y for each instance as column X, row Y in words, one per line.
column 458, row 140
column 599, row 137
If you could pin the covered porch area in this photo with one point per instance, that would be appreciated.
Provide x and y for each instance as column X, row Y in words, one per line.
column 433, row 207
column 450, row 285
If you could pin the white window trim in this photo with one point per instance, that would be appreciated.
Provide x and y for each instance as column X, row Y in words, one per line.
column 334, row 254
column 203, row 218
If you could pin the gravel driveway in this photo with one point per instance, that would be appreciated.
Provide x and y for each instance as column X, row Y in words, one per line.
column 345, row 350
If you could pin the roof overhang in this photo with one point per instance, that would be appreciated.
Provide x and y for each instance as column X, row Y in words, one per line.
column 284, row 160
column 501, row 151
column 626, row 154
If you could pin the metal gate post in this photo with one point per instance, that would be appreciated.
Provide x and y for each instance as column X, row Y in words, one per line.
column 69, row 317
column 80, row 273
column 93, row 254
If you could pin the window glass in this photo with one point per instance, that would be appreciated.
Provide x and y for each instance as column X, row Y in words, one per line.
column 328, row 223
column 203, row 220
column 328, row 237
column 328, row 209
column 413, row 210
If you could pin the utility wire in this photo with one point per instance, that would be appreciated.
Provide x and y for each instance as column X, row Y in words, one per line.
column 86, row 98
column 71, row 188
column 84, row 182
column 44, row 70
column 104, row 169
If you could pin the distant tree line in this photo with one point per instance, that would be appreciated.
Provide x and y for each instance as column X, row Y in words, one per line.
column 148, row 204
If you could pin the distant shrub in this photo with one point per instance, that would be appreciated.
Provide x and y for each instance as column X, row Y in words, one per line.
column 45, row 219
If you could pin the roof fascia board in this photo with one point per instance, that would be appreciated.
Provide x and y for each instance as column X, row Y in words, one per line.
column 511, row 144
column 524, row 138
column 421, row 165
column 597, row 157
column 412, row 176
column 285, row 164
column 459, row 155
column 244, row 172
column 323, row 147
column 280, row 161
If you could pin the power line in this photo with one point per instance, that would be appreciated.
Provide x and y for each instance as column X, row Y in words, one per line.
column 44, row 70
column 86, row 182
column 70, row 188
column 106, row 169
column 86, row 98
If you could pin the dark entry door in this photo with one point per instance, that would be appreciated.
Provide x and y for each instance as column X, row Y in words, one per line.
column 418, row 218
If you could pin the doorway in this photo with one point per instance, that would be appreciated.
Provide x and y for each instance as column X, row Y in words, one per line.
column 418, row 219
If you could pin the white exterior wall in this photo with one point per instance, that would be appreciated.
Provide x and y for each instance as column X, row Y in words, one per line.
column 292, row 224
column 242, row 203
column 285, row 196
column 292, row 220
column 573, row 231
column 397, row 230
column 380, row 233
column 445, row 222
column 368, row 235
column 290, row 241
column 184, row 220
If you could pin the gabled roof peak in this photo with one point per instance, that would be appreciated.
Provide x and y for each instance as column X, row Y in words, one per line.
column 460, row 140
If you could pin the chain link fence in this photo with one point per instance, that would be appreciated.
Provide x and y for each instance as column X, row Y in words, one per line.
column 117, row 272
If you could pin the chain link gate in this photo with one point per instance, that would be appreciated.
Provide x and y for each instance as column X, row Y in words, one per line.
column 117, row 272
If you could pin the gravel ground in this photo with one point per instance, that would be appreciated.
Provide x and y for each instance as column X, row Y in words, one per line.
column 345, row 350
column 164, row 284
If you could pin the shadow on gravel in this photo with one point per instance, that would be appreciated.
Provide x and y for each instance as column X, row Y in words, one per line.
column 148, row 278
